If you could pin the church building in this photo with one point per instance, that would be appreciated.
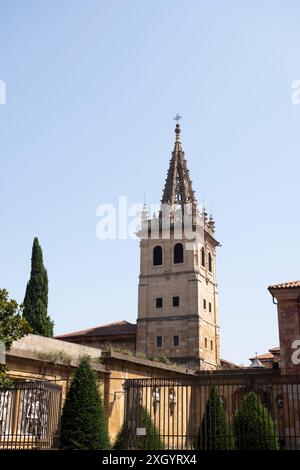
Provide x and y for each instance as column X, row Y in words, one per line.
column 177, row 300
column 160, row 363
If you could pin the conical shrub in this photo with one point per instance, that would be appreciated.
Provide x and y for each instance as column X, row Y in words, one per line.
column 253, row 425
column 83, row 423
column 151, row 441
column 215, row 432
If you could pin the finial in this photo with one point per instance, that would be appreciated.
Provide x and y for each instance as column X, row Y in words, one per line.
column 144, row 219
column 211, row 223
column 177, row 128
column 177, row 118
column 203, row 215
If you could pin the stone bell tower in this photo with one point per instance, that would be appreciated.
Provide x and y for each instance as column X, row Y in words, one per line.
column 177, row 305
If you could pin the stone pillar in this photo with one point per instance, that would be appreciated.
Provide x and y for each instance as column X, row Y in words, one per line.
column 288, row 307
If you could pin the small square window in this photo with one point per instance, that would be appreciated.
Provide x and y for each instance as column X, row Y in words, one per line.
column 159, row 302
column 159, row 341
column 176, row 341
column 209, row 307
column 176, row 301
column 204, row 304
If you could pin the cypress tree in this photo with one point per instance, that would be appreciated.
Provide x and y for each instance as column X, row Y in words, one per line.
column 36, row 296
column 215, row 432
column 253, row 425
column 83, row 423
column 120, row 441
column 151, row 441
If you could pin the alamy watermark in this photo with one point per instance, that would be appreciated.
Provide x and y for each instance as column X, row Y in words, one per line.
column 2, row 92
column 296, row 352
column 124, row 221
column 295, row 96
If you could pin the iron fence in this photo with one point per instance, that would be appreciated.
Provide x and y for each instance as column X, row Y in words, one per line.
column 211, row 411
column 30, row 415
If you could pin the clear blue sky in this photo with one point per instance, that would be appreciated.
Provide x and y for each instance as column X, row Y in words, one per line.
column 91, row 91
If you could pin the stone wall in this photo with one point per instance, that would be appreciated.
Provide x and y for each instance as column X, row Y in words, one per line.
column 38, row 358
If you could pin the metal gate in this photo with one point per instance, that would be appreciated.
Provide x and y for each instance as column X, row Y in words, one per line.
column 208, row 412
column 30, row 415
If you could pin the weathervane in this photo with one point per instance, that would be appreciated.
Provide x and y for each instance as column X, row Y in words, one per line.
column 177, row 118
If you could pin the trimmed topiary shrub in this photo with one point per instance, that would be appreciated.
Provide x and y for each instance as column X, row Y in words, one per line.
column 215, row 432
column 253, row 425
column 151, row 441
column 83, row 423
column 120, row 441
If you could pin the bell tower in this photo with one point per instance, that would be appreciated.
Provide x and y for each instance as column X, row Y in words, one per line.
column 177, row 300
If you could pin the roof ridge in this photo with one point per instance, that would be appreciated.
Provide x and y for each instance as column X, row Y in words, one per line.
column 285, row 285
column 87, row 330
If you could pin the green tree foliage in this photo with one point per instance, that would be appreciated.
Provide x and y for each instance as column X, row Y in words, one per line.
column 120, row 441
column 83, row 423
column 36, row 296
column 13, row 326
column 215, row 432
column 253, row 425
column 151, row 441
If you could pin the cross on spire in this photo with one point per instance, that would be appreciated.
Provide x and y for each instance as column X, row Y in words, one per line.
column 177, row 118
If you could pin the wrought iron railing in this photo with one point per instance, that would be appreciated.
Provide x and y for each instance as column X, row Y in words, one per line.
column 186, row 413
column 30, row 415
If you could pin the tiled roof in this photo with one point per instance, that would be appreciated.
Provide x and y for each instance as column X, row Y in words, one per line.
column 262, row 357
column 117, row 328
column 275, row 350
column 286, row 285
column 268, row 355
column 228, row 365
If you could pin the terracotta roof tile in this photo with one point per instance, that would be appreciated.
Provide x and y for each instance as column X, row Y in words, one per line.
column 286, row 285
column 275, row 350
column 262, row 356
column 268, row 355
column 117, row 328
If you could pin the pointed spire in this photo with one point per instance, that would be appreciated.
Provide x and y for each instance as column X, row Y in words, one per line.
column 178, row 187
column 211, row 223
column 144, row 212
column 144, row 220
column 203, row 216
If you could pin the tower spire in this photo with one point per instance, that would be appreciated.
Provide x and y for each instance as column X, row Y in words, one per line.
column 175, row 247
column 178, row 186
